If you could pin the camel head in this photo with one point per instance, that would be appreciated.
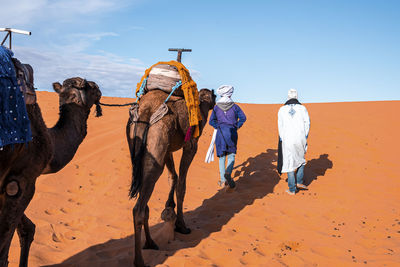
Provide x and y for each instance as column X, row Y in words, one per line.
column 78, row 91
column 207, row 97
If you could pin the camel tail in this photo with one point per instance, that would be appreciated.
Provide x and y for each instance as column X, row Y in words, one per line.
column 137, row 147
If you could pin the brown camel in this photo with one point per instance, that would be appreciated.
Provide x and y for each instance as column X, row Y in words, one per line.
column 48, row 152
column 149, row 155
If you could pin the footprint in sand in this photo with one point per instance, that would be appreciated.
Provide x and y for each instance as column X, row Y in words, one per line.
column 65, row 210
column 72, row 191
column 70, row 235
column 54, row 236
column 50, row 211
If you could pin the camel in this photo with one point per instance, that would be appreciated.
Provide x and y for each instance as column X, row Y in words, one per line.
column 149, row 157
column 48, row 152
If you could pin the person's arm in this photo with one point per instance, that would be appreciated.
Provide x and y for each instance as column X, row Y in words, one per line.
column 213, row 120
column 306, row 119
column 241, row 117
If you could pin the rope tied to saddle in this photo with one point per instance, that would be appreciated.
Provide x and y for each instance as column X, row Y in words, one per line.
column 191, row 95
column 158, row 114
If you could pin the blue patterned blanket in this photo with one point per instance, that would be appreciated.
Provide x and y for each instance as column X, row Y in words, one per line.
column 14, row 121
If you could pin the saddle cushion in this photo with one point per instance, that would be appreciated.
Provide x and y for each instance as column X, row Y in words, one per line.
column 14, row 120
column 164, row 77
column 188, row 87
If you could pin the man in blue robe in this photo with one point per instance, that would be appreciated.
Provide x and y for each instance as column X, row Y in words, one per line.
column 226, row 118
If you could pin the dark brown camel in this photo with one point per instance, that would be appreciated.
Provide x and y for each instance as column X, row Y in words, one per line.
column 48, row 152
column 149, row 158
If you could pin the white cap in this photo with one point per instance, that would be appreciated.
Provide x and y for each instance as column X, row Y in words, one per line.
column 292, row 93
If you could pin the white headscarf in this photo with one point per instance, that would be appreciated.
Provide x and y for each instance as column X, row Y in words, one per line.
column 225, row 91
column 292, row 93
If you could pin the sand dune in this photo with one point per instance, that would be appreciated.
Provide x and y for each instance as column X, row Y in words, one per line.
column 350, row 214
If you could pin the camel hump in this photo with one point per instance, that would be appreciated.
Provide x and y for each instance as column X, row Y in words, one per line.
column 164, row 77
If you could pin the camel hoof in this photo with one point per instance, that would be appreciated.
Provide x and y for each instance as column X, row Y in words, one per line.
column 151, row 245
column 183, row 230
column 168, row 215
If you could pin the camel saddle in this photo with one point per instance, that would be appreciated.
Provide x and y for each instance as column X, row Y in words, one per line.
column 16, row 87
column 25, row 81
column 164, row 77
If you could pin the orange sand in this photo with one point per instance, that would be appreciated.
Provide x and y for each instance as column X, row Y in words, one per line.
column 351, row 212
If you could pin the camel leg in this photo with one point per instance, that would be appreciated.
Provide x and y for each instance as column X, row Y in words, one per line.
column 153, row 164
column 26, row 231
column 169, row 162
column 150, row 244
column 12, row 213
column 138, row 222
column 4, row 251
column 189, row 151
column 139, row 219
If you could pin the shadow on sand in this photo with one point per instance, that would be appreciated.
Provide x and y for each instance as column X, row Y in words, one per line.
column 316, row 167
column 255, row 178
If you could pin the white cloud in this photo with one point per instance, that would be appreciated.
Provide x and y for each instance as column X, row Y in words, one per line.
column 58, row 52
column 78, row 42
column 28, row 12
column 116, row 76
column 84, row 7
column 13, row 13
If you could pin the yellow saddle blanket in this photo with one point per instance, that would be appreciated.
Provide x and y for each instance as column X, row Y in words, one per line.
column 189, row 88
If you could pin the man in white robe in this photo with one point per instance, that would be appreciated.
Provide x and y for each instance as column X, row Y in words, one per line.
column 293, row 126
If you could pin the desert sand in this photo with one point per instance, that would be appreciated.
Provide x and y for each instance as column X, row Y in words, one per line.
column 350, row 214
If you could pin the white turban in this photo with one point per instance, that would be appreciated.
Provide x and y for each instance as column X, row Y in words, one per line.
column 292, row 93
column 225, row 91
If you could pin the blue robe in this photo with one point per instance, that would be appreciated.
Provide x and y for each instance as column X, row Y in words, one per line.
column 14, row 122
column 227, row 122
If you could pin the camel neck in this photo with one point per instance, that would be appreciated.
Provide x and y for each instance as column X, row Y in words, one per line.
column 38, row 126
column 204, row 109
column 67, row 135
column 72, row 121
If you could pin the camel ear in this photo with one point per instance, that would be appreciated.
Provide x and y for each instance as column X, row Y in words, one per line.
column 93, row 85
column 214, row 96
column 57, row 87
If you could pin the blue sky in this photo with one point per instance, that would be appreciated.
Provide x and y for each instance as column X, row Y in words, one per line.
column 329, row 50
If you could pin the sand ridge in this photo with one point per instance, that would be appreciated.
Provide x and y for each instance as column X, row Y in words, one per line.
column 350, row 214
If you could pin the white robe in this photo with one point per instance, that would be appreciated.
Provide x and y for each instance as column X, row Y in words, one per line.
column 210, row 151
column 293, row 126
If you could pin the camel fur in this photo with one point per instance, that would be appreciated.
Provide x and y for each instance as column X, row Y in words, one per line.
column 163, row 138
column 48, row 152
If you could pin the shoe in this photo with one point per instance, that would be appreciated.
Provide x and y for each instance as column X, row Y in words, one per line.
column 230, row 181
column 290, row 193
column 221, row 184
column 302, row 186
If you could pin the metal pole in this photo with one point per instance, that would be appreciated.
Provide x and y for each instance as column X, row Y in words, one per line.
column 179, row 57
column 179, row 50
column 9, row 34
column 5, row 38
